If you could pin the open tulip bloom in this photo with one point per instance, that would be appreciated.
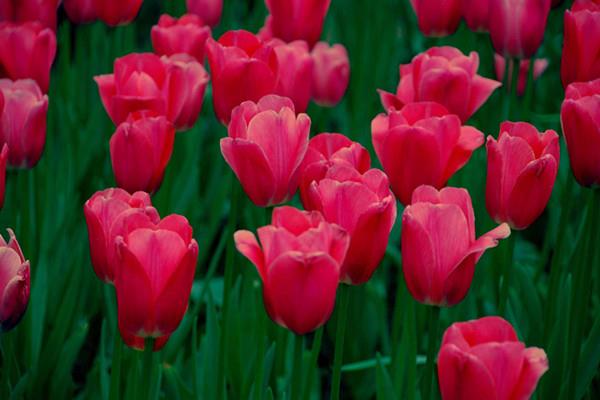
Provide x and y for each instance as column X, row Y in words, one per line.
column 14, row 283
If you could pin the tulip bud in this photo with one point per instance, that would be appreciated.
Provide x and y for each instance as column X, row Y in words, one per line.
column 3, row 160
column 208, row 10
column 291, row 20
column 439, row 248
column 298, row 261
column 14, row 283
column 266, row 145
column 539, row 66
column 331, row 73
column 484, row 359
column 437, row 18
column 187, row 34
column 117, row 12
column 422, row 145
column 80, row 11
column 476, row 14
column 42, row 11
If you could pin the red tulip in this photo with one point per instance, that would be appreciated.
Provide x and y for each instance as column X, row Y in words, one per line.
column 517, row 26
column 439, row 248
column 580, row 117
column 42, row 11
column 266, row 145
column 444, row 75
column 299, row 264
column 437, row 18
column 522, row 168
column 27, row 51
column 365, row 207
column 476, row 14
column 297, row 19
column 242, row 68
column 106, row 214
column 331, row 73
column 23, row 121
column 539, row 66
column 117, row 12
column 156, row 265
column 209, row 10
column 484, row 359
column 422, row 145
column 295, row 72
column 3, row 160
column 80, row 11
column 140, row 150
column 326, row 150
column 14, row 283
column 187, row 34
column 581, row 45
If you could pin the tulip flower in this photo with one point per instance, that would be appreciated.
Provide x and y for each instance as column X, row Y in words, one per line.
column 476, row 14
column 117, row 12
column 580, row 117
column 522, row 168
column 517, row 26
column 444, row 75
column 422, row 145
column 80, row 11
column 437, row 18
column 140, row 150
column 331, row 73
column 208, row 10
column 14, row 283
column 581, row 44
column 326, row 150
column 365, row 207
column 156, row 266
column 439, row 248
column 42, row 11
column 3, row 160
column 187, row 34
column 23, row 121
column 295, row 72
column 484, row 359
column 27, row 51
column 243, row 68
column 539, row 66
column 266, row 145
column 298, row 260
column 106, row 213
column 291, row 20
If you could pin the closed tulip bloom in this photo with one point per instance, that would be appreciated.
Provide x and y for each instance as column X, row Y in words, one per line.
column 80, row 11
column 522, row 168
column 295, row 72
column 117, row 12
column 105, row 214
column 298, row 260
column 23, row 121
column 365, row 207
column 266, row 145
column 243, row 68
column 439, row 248
column 437, row 18
column 42, row 11
column 581, row 46
column 422, row 145
column 140, row 150
column 208, row 10
column 3, row 160
column 187, row 34
column 297, row 19
column 444, row 75
column 539, row 66
column 484, row 359
column 476, row 14
column 331, row 73
column 517, row 26
column 156, row 266
column 27, row 51
column 580, row 117
column 14, row 283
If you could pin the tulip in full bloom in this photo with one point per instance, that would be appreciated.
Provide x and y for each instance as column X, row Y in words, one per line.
column 476, row 14
column 187, row 34
column 117, row 12
column 439, row 248
column 295, row 72
column 42, row 11
column 156, row 266
column 291, row 20
column 140, row 150
column 437, row 17
column 331, row 73
column 484, row 359
column 3, row 161
column 580, row 117
column 23, row 121
column 80, row 11
column 298, row 260
column 14, row 283
column 522, row 168
column 27, row 51
column 422, row 145
column 444, row 75
column 106, row 213
column 581, row 47
column 243, row 68
column 208, row 10
column 539, row 66
column 266, row 145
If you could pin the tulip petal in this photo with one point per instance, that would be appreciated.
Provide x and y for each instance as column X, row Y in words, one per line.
column 481, row 89
column 504, row 361
column 534, row 366
column 246, row 243
column 389, row 101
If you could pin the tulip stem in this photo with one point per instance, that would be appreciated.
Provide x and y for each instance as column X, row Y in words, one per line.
column 507, row 273
column 339, row 342
column 148, row 380
column 296, row 378
column 314, row 355
column 115, row 372
column 434, row 322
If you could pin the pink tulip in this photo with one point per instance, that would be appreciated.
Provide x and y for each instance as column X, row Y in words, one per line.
column 3, row 161
column 42, row 11
column 539, row 66
column 80, row 11
column 208, row 10
column 476, row 14
column 291, row 20
column 331, row 73
column 187, row 34
column 437, row 17
column 14, row 283
column 117, row 12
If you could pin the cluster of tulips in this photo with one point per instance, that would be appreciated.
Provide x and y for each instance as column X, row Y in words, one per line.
column 261, row 87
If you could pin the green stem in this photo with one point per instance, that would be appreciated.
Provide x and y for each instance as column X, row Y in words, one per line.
column 147, row 380
column 115, row 372
column 260, row 356
column 339, row 344
column 507, row 274
column 296, row 378
column 314, row 356
column 434, row 322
